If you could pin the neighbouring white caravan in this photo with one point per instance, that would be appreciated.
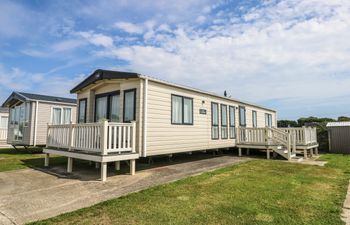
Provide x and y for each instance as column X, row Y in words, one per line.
column 4, row 115
column 124, row 116
column 29, row 115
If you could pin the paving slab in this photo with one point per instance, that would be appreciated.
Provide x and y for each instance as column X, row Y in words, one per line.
column 31, row 194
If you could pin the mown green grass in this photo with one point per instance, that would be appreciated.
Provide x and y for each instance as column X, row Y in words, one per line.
column 11, row 159
column 255, row 192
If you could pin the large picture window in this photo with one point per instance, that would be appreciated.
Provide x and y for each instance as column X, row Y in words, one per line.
column 224, row 130
column 242, row 116
column 232, row 122
column 214, row 121
column 82, row 110
column 129, row 108
column 181, row 110
column 254, row 119
column 268, row 120
column 61, row 115
column 107, row 107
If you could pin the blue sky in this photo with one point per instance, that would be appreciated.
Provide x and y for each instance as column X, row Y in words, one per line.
column 291, row 55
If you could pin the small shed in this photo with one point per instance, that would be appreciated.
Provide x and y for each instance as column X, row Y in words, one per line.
column 339, row 137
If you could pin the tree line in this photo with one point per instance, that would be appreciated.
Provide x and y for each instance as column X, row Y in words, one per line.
column 319, row 123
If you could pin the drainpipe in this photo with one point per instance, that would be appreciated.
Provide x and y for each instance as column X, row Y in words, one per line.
column 145, row 97
column 36, row 121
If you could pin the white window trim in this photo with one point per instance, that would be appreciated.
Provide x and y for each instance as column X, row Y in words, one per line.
column 61, row 108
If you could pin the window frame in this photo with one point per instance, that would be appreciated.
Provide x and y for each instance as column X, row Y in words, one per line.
column 62, row 114
column 85, row 109
column 108, row 95
column 245, row 116
column 268, row 120
column 221, row 122
column 234, row 121
column 212, row 120
column 183, row 110
column 254, row 119
column 134, row 116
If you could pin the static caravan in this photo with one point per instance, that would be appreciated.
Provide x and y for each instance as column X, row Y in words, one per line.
column 30, row 114
column 124, row 116
column 4, row 115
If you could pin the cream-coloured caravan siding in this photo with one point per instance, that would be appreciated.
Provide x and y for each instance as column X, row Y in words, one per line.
column 112, row 86
column 44, row 118
column 165, row 138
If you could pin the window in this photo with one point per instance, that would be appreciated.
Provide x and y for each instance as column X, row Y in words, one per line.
column 268, row 120
column 3, row 121
column 181, row 110
column 232, row 122
column 101, row 108
column 56, row 116
column 67, row 115
column 107, row 107
column 242, row 118
column 214, row 121
column 188, row 110
column 224, row 122
column 27, row 114
column 254, row 119
column 12, row 116
column 61, row 115
column 82, row 111
column 129, row 105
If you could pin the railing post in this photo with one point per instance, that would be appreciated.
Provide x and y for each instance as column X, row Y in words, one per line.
column 133, row 136
column 238, row 135
column 304, row 135
column 104, row 137
column 70, row 141
column 294, row 141
column 266, row 137
column 288, row 146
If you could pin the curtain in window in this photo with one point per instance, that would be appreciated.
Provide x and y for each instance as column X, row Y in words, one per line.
column 67, row 115
column 101, row 108
column 56, row 116
column 176, row 109
column 3, row 121
column 232, row 122
column 188, row 110
column 114, row 108
column 129, row 104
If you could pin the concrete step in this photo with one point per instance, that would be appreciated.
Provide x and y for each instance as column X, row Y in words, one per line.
column 296, row 159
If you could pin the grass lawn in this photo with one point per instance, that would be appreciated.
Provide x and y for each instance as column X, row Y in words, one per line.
column 255, row 192
column 11, row 159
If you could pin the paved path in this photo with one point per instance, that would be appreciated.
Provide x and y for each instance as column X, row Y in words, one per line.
column 30, row 195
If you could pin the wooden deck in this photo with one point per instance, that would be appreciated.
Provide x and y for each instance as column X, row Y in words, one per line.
column 287, row 142
column 97, row 142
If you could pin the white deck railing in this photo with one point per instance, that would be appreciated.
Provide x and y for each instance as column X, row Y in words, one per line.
column 304, row 135
column 105, row 137
column 3, row 134
column 267, row 136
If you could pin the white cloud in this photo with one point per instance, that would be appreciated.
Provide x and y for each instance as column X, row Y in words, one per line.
column 97, row 39
column 15, row 79
column 129, row 27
